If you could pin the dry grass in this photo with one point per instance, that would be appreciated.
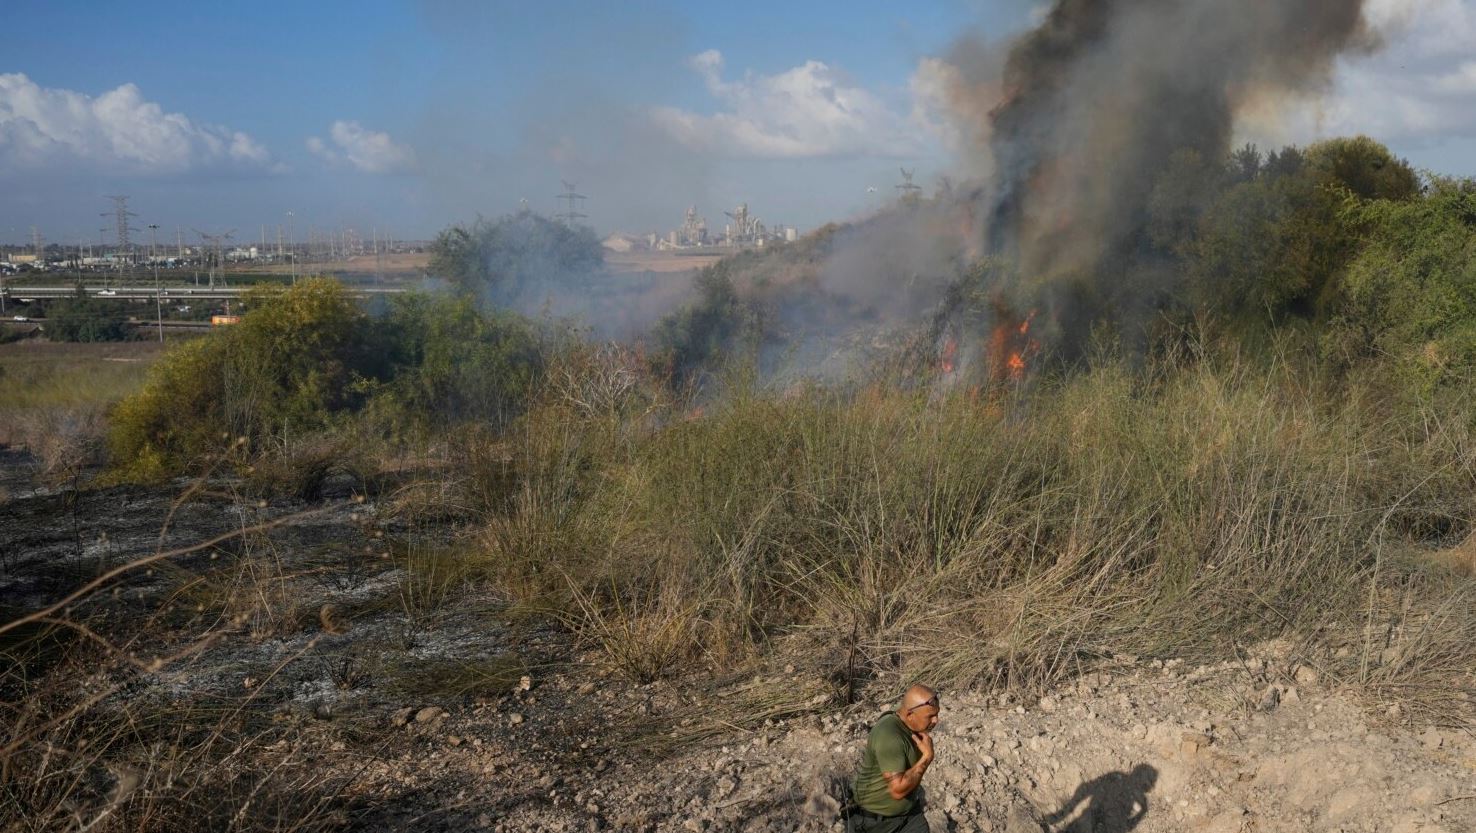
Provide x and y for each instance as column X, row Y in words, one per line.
column 81, row 752
column 1460, row 558
column 1176, row 510
column 54, row 398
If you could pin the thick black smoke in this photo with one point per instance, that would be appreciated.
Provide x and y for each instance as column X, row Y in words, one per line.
column 1091, row 106
column 1077, row 129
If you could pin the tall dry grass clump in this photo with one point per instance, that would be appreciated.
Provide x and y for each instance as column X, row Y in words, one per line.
column 54, row 401
column 1184, row 508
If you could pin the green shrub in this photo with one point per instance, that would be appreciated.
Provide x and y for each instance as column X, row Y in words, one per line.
column 1411, row 291
column 306, row 359
column 499, row 261
column 451, row 363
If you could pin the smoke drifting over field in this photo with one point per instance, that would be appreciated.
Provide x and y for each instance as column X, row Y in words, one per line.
column 1091, row 145
column 1090, row 106
column 1073, row 130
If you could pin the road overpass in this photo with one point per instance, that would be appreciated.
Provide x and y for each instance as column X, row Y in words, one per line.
column 172, row 293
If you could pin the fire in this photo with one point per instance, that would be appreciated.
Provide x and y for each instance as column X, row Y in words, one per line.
column 1016, row 364
column 946, row 362
column 1010, row 345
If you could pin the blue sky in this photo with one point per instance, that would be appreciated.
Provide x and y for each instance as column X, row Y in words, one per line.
column 407, row 116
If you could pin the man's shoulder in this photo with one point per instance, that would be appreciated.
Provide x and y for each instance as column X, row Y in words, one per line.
column 887, row 726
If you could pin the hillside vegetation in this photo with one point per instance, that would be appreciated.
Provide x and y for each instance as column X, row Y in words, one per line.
column 1273, row 451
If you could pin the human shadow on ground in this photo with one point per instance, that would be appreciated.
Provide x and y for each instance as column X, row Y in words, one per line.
column 1114, row 803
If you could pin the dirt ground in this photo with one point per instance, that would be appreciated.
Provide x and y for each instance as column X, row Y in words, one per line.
column 661, row 262
column 471, row 717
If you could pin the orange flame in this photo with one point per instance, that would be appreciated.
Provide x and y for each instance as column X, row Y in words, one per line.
column 1010, row 346
column 946, row 362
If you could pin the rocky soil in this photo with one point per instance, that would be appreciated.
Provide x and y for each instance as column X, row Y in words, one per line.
column 1147, row 749
column 469, row 717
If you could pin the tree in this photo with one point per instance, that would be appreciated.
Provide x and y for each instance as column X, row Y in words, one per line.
column 84, row 318
column 504, row 261
column 1364, row 167
column 1411, row 292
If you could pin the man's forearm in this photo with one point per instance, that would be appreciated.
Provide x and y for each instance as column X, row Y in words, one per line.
column 908, row 781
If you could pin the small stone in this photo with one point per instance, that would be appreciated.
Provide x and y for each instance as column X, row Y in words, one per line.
column 1270, row 698
column 403, row 716
column 525, row 683
column 1306, row 675
column 429, row 713
column 586, row 689
column 1190, row 743
column 453, row 740
column 1048, row 704
column 515, row 718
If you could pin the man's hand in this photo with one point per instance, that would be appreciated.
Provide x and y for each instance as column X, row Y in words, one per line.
column 924, row 743
column 901, row 784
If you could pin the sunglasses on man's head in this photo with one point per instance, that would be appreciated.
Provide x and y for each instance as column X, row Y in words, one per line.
column 931, row 701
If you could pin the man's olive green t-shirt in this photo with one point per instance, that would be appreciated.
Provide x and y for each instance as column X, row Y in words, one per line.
column 889, row 748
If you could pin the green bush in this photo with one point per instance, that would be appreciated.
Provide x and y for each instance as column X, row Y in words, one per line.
column 304, row 360
column 451, row 363
column 499, row 261
column 704, row 333
column 1411, row 291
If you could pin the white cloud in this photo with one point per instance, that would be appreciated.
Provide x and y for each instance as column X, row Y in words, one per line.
column 811, row 110
column 370, row 151
column 1420, row 86
column 118, row 132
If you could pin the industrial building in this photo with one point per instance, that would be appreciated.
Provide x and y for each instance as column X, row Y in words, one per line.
column 743, row 230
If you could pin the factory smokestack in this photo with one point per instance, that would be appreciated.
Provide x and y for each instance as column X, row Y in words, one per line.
column 1087, row 110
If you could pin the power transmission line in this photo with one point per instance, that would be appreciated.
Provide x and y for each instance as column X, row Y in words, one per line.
column 217, row 242
column 121, row 214
column 911, row 193
column 573, row 202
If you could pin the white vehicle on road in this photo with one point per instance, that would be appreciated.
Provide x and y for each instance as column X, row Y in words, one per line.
column 22, row 319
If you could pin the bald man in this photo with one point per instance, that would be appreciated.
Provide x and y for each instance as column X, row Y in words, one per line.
column 899, row 751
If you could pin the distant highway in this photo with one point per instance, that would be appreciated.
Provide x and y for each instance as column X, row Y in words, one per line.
column 124, row 293
column 140, row 323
